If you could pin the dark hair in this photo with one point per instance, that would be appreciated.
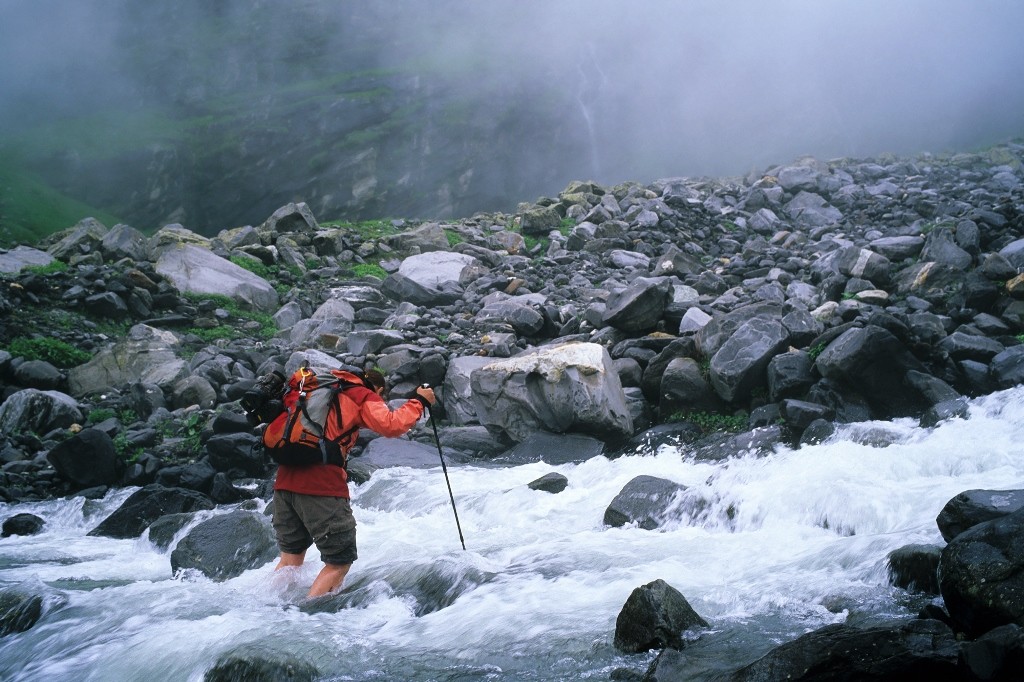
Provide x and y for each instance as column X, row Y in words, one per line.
column 374, row 379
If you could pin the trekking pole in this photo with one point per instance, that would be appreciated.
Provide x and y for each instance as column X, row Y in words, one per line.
column 444, row 468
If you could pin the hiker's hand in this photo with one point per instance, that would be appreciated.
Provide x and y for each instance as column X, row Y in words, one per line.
column 426, row 393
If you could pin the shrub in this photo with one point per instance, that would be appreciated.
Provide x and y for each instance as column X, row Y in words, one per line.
column 709, row 422
column 58, row 353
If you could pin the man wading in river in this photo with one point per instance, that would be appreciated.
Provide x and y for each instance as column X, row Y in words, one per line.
column 311, row 501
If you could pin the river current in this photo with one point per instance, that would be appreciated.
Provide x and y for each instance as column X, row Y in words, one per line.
column 764, row 547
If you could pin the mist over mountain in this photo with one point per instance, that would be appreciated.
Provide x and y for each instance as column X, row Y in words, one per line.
column 214, row 113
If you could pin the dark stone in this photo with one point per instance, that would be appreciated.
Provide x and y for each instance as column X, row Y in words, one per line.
column 163, row 530
column 554, row 448
column 259, row 664
column 22, row 524
column 981, row 575
column 915, row 568
column 972, row 507
column 550, row 483
column 654, row 617
column 19, row 611
column 996, row 656
column 226, row 545
column 145, row 506
column 645, row 500
column 87, row 459
column 916, row 650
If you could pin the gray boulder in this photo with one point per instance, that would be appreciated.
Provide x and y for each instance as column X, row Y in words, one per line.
column 38, row 374
column 145, row 506
column 147, row 355
column 22, row 524
column 646, row 501
column 739, row 365
column 124, row 241
column 655, row 616
column 226, row 545
column 874, row 362
column 561, row 388
column 83, row 238
column 333, row 319
column 972, row 507
column 38, row 411
column 425, row 238
column 554, row 448
column 523, row 319
column 293, row 217
column 981, row 575
column 811, row 210
column 638, row 307
column 1007, row 367
column 915, row 568
column 193, row 269
column 458, row 390
column 21, row 257
column 87, row 459
column 550, row 483
column 914, row 650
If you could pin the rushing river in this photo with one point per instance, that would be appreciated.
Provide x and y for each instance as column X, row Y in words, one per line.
column 789, row 542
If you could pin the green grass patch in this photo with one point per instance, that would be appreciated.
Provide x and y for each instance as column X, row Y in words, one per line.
column 266, row 329
column 711, row 422
column 254, row 266
column 30, row 209
column 367, row 229
column 453, row 237
column 57, row 353
column 369, row 269
column 51, row 269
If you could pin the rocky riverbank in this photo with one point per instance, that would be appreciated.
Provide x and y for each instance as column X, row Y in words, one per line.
column 728, row 315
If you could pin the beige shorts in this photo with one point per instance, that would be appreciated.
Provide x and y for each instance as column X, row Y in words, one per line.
column 303, row 520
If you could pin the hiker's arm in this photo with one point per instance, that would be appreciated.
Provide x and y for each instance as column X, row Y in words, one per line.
column 391, row 423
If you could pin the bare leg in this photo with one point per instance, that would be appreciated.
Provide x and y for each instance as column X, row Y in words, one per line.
column 289, row 560
column 330, row 578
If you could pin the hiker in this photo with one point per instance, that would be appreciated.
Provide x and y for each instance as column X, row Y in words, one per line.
column 311, row 501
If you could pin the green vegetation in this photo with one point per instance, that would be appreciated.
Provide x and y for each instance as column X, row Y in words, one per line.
column 1020, row 337
column 815, row 351
column 369, row 269
column 53, row 268
column 367, row 229
column 54, row 351
column 254, row 266
column 710, row 422
column 267, row 326
column 125, row 450
column 453, row 237
column 30, row 209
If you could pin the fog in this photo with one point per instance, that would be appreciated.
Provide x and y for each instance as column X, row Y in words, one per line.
column 655, row 88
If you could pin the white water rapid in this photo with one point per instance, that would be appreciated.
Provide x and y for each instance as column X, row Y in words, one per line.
column 789, row 542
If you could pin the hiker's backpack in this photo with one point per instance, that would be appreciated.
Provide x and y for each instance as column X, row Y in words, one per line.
column 318, row 419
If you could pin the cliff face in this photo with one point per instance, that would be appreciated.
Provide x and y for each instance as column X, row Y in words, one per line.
column 235, row 108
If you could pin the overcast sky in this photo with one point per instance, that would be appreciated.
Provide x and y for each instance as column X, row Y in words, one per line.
column 662, row 87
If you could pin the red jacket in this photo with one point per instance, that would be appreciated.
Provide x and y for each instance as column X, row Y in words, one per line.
column 328, row 480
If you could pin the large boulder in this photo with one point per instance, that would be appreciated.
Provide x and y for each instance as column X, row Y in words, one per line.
column 145, row 506
column 872, row 361
column 916, row 650
column 981, row 575
column 638, row 308
column 739, row 365
column 147, row 355
column 562, row 388
column 458, row 391
column 334, row 318
column 193, row 269
column 293, row 217
column 226, row 545
column 87, row 459
column 21, row 257
column 523, row 319
column 83, row 238
column 654, row 617
column 554, row 448
column 972, row 507
column 647, row 501
column 38, row 411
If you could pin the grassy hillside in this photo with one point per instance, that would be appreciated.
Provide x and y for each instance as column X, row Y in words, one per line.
column 30, row 209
